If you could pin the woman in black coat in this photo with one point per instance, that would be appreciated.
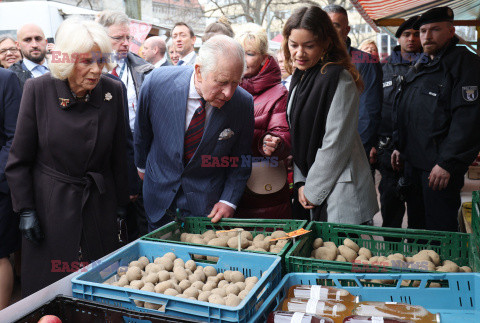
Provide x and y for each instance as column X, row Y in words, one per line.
column 67, row 168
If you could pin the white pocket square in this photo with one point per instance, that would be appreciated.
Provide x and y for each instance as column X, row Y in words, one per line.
column 226, row 134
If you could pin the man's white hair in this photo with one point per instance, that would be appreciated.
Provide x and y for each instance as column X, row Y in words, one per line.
column 216, row 47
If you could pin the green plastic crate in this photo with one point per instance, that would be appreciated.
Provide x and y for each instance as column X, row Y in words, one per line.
column 476, row 218
column 475, row 255
column 453, row 246
column 172, row 231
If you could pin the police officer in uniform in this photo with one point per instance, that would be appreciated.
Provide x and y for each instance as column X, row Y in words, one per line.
column 437, row 118
column 402, row 59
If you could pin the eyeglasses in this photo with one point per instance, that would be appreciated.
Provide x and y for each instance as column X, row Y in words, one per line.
column 121, row 38
column 12, row 50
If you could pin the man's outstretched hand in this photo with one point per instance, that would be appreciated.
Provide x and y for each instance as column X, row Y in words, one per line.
column 219, row 211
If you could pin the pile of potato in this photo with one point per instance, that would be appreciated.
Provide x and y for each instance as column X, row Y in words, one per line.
column 351, row 252
column 230, row 239
column 172, row 276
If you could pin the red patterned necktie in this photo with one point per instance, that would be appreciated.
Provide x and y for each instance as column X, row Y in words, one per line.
column 114, row 71
column 194, row 133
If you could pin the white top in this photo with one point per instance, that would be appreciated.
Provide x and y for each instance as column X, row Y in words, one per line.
column 36, row 69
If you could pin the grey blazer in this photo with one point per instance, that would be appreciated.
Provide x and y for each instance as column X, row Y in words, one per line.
column 340, row 175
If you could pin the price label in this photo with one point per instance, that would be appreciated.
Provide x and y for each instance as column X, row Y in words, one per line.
column 293, row 234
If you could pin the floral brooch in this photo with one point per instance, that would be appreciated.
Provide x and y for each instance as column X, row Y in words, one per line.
column 108, row 96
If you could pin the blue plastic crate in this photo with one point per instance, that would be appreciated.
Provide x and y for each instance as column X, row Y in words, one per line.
column 89, row 285
column 457, row 301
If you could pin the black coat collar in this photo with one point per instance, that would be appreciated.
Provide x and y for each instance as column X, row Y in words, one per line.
column 66, row 99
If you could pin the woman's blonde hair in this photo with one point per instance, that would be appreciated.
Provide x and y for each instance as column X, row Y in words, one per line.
column 75, row 37
column 254, row 35
column 367, row 42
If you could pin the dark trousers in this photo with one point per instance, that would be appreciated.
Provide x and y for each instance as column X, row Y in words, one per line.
column 433, row 210
column 136, row 219
column 391, row 206
column 152, row 226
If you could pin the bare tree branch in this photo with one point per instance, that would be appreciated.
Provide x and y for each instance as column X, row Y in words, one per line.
column 257, row 11
column 218, row 7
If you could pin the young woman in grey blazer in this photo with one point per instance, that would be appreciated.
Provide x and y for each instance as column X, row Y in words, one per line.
column 331, row 170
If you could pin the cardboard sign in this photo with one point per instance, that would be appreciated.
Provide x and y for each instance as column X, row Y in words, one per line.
column 139, row 31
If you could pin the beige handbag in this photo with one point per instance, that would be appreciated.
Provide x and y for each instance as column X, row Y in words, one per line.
column 266, row 179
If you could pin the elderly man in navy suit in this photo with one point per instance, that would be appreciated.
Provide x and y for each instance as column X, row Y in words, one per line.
column 193, row 134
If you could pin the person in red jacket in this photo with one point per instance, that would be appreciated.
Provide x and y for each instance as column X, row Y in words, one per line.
column 267, row 194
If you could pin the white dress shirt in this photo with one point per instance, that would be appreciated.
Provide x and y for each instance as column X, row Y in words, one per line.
column 187, row 58
column 193, row 103
column 288, row 80
column 36, row 69
column 127, row 79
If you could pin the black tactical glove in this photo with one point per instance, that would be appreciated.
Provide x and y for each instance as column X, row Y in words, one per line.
column 30, row 227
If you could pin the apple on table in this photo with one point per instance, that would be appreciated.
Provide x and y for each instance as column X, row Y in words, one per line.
column 49, row 319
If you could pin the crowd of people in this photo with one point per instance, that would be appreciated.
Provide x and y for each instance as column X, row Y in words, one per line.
column 101, row 145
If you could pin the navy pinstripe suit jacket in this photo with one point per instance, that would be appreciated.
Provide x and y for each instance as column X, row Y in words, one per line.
column 159, row 137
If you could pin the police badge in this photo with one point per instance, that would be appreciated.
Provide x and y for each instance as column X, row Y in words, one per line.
column 470, row 93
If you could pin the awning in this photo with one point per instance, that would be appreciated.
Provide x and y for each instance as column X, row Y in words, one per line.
column 389, row 14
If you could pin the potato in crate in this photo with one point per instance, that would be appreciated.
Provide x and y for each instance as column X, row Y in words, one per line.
column 164, row 278
column 333, row 247
column 201, row 231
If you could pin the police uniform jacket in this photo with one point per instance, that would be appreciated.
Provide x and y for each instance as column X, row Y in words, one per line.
column 394, row 66
column 437, row 111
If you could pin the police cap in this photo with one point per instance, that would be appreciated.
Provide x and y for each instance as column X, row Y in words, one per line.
column 434, row 15
column 407, row 24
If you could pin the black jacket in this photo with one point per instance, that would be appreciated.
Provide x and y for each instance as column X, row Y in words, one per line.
column 395, row 65
column 23, row 74
column 437, row 111
column 139, row 68
column 133, row 179
column 167, row 63
column 67, row 161
column 10, row 96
